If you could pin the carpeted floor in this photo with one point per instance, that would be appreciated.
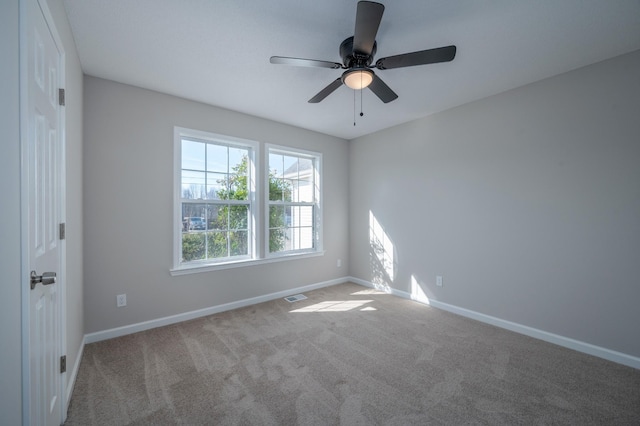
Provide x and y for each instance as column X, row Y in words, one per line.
column 351, row 356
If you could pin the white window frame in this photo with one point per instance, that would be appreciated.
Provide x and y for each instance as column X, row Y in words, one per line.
column 259, row 205
column 207, row 137
column 317, row 227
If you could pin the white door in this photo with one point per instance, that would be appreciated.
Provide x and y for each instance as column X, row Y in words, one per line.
column 44, row 141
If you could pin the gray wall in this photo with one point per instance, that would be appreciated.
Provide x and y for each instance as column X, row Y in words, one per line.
column 527, row 203
column 10, row 299
column 10, row 252
column 128, row 207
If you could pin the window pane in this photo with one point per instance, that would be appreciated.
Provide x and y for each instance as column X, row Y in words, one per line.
column 275, row 189
column 289, row 240
column 237, row 160
column 217, row 186
column 194, row 217
column 276, row 185
column 305, row 167
column 305, row 190
column 286, row 187
column 218, row 217
column 289, row 212
column 193, row 246
column 217, row 158
column 305, row 216
column 290, row 165
column 193, row 155
column 238, row 217
column 275, row 165
column 217, row 244
column 193, row 184
column 276, row 217
column 239, row 243
column 277, row 240
column 239, row 185
column 306, row 238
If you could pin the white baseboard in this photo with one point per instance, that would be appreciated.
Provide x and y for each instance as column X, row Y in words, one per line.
column 147, row 325
column 608, row 354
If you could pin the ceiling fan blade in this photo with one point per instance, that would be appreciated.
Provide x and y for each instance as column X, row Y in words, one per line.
column 299, row 62
column 326, row 91
column 368, row 17
column 381, row 90
column 423, row 57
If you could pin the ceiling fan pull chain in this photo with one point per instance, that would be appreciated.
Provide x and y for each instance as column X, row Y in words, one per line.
column 354, row 108
column 361, row 113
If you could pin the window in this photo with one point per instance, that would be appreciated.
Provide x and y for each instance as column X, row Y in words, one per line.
column 215, row 200
column 227, row 214
column 293, row 201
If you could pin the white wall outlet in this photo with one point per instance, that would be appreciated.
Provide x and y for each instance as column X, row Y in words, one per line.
column 439, row 280
column 121, row 300
column 339, row 263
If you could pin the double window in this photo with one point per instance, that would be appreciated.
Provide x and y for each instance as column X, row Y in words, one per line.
column 234, row 205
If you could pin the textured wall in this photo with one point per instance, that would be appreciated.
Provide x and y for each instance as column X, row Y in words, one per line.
column 527, row 203
column 128, row 200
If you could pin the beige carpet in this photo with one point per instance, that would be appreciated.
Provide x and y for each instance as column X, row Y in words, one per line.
column 346, row 355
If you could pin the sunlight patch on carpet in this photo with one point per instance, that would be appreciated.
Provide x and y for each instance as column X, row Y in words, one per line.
column 368, row 291
column 334, row 306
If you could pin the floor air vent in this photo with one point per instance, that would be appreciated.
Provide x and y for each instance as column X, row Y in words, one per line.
column 295, row 298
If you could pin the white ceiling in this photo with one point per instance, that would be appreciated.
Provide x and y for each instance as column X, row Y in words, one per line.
column 217, row 51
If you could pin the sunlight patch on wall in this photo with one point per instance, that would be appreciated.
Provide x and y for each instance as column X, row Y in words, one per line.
column 335, row 306
column 417, row 293
column 382, row 247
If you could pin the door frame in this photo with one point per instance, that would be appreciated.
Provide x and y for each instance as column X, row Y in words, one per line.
column 24, row 207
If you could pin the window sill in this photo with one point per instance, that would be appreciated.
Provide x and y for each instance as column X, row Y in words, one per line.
column 195, row 269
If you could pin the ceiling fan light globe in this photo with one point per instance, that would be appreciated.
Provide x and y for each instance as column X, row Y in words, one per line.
column 357, row 79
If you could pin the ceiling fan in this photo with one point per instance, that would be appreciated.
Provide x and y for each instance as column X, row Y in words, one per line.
column 357, row 55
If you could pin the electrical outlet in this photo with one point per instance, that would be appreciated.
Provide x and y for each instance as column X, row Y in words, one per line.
column 339, row 263
column 121, row 300
column 439, row 280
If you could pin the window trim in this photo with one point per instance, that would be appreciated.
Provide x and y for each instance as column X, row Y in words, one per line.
column 317, row 157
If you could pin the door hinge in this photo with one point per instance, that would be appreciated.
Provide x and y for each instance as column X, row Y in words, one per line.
column 63, row 364
column 61, row 96
column 63, row 231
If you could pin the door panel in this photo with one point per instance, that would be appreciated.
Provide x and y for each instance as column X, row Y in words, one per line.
column 43, row 174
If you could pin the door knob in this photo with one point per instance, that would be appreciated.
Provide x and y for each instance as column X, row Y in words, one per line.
column 47, row 278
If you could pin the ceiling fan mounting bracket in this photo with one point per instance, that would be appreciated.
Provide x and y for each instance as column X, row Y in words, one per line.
column 353, row 59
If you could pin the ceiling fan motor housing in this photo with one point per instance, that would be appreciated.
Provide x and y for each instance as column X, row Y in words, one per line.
column 352, row 59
